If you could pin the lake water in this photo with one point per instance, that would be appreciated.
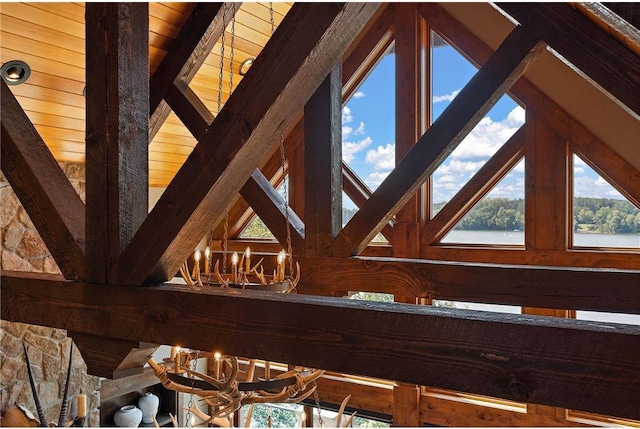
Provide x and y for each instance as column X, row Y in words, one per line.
column 517, row 237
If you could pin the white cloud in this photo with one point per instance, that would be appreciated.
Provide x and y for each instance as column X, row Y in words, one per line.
column 346, row 115
column 578, row 170
column 487, row 137
column 459, row 167
column 375, row 178
column 599, row 182
column 447, row 179
column 349, row 149
column 359, row 94
column 382, row 158
column 360, row 129
column 346, row 132
column 446, row 97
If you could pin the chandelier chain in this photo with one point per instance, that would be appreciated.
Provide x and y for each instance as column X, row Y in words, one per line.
column 220, row 75
column 317, row 400
column 271, row 17
column 225, row 236
column 231, row 52
column 285, row 194
column 194, row 364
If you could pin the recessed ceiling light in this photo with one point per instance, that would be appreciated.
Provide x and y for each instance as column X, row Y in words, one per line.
column 15, row 72
column 244, row 66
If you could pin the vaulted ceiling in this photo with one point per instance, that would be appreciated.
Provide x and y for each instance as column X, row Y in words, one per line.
column 50, row 37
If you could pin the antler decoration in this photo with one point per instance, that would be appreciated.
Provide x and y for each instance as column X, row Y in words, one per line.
column 224, row 394
column 63, row 409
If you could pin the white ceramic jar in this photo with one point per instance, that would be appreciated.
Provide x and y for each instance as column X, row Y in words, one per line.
column 128, row 416
column 148, row 404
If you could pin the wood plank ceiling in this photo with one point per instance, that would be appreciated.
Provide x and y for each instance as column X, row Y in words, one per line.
column 50, row 37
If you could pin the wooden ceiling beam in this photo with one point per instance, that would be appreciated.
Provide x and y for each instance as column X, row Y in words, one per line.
column 296, row 60
column 581, row 365
column 44, row 191
column 359, row 59
column 516, row 53
column 585, row 45
column 188, row 52
column 323, row 165
column 524, row 285
column 117, row 159
column 475, row 189
column 190, row 109
column 623, row 175
column 272, row 209
column 111, row 357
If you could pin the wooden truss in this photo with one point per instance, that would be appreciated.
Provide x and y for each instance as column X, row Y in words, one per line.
column 109, row 248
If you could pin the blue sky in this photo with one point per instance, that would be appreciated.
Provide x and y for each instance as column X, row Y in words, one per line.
column 368, row 133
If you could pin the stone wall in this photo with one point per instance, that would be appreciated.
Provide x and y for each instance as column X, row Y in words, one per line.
column 22, row 249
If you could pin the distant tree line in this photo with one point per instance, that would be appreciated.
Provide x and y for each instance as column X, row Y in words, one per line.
column 606, row 215
column 603, row 215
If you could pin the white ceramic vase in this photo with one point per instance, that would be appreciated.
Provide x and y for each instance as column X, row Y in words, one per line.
column 128, row 416
column 148, row 404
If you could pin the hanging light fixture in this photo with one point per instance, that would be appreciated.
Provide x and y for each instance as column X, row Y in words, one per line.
column 15, row 72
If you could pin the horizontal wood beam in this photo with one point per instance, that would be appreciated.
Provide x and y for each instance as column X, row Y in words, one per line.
column 531, row 286
column 110, row 357
column 287, row 72
column 598, row 55
column 514, row 56
column 44, row 191
column 568, row 363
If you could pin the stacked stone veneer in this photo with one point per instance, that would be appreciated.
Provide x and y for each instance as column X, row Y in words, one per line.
column 22, row 249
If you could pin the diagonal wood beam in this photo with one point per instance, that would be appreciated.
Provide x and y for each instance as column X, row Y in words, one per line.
column 575, row 364
column 270, row 206
column 614, row 168
column 516, row 53
column 117, row 129
column 598, row 55
column 359, row 193
column 310, row 40
column 190, row 109
column 363, row 53
column 608, row 164
column 44, row 191
column 185, row 57
column 475, row 189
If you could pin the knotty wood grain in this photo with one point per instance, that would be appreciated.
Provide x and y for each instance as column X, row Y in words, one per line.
column 295, row 61
column 518, row 51
column 551, row 361
column 44, row 191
